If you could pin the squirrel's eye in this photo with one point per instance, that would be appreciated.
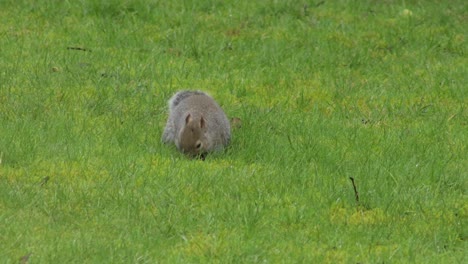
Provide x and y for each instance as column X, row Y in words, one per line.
column 198, row 146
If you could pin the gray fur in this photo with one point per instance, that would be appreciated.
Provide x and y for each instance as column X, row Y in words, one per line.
column 195, row 110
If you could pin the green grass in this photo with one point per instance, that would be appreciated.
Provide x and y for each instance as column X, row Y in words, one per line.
column 326, row 90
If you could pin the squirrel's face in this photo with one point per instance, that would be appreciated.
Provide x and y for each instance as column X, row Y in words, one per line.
column 192, row 138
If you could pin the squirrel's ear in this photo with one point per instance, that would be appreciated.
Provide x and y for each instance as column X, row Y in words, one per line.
column 188, row 119
column 202, row 122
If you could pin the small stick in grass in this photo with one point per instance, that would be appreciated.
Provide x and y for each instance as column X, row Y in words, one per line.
column 356, row 193
column 78, row 48
column 45, row 180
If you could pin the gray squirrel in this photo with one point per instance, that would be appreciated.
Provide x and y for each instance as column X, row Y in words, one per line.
column 196, row 124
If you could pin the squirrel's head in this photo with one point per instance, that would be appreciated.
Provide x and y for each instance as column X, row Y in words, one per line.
column 192, row 138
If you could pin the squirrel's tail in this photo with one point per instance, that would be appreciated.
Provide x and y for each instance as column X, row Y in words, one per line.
column 180, row 96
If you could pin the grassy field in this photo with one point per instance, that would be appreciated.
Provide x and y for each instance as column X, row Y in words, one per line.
column 326, row 90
